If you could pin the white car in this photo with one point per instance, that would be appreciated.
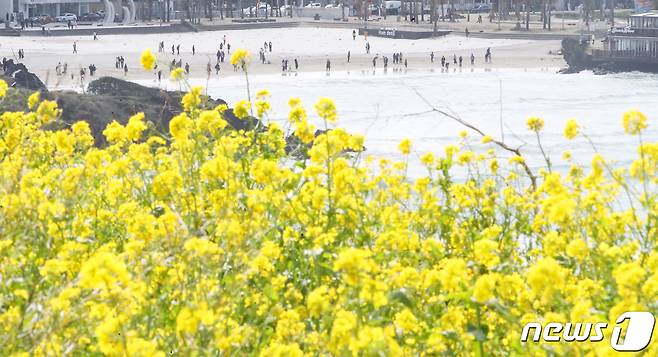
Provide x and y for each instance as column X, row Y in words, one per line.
column 314, row 4
column 330, row 6
column 67, row 17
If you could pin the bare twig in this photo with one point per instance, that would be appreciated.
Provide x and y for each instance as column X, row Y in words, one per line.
column 516, row 151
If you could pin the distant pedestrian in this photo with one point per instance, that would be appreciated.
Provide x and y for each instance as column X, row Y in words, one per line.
column 472, row 59
column 466, row 32
column 160, row 76
column 296, row 64
column 217, row 67
column 460, row 61
column 178, row 49
column 187, row 68
column 405, row 63
column 172, row 49
column 95, row 36
column 270, row 46
column 125, row 69
column 193, row 50
column 75, row 47
column 431, row 57
column 353, row 34
column 348, row 56
column 328, row 65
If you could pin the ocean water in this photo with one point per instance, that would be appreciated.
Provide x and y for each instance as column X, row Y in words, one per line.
column 388, row 107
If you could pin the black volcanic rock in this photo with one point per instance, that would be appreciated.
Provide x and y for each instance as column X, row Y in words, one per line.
column 20, row 76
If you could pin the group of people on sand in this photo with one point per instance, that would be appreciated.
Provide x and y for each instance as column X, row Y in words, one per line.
column 459, row 60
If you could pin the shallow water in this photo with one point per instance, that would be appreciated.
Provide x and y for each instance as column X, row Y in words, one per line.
column 386, row 107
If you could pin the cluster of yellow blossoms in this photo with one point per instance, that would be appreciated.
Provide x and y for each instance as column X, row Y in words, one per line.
column 212, row 241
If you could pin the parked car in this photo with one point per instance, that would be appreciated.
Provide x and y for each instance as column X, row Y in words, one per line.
column 314, row 4
column 262, row 9
column 42, row 19
column 91, row 17
column 67, row 17
column 481, row 8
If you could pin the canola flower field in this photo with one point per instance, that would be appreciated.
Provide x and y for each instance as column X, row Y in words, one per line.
column 206, row 241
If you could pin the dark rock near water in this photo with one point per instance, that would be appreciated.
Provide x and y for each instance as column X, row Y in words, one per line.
column 20, row 76
column 108, row 99
column 578, row 58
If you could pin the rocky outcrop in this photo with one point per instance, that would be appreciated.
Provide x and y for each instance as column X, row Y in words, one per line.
column 20, row 76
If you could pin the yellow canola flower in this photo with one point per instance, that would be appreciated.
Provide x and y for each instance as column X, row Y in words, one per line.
column 571, row 129
column 176, row 74
column 48, row 111
column 405, row 146
column 241, row 109
column 634, row 122
column 535, row 124
column 326, row 109
column 147, row 59
column 3, row 88
column 33, row 99
column 240, row 57
column 222, row 241
column 192, row 99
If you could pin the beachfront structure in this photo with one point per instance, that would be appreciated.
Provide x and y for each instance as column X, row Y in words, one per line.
column 637, row 42
column 27, row 8
column 23, row 9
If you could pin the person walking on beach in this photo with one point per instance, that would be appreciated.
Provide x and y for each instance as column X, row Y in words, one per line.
column 348, row 56
column 178, row 49
column 405, row 63
column 454, row 59
column 95, row 36
column 487, row 56
column 367, row 47
column 172, row 49
column 228, row 48
column 328, row 65
column 193, row 50
column 374, row 62
column 443, row 61
column 472, row 59
column 431, row 57
column 270, row 46
column 125, row 70
column 160, row 76
column 224, row 39
column 296, row 64
column 187, row 68
column 460, row 61
column 466, row 32
column 217, row 68
column 353, row 34
column 75, row 47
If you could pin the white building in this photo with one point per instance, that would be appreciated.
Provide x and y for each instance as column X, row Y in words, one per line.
column 27, row 8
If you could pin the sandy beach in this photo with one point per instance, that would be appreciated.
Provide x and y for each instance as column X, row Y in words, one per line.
column 311, row 46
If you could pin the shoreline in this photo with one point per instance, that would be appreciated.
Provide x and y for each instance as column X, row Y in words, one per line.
column 311, row 46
